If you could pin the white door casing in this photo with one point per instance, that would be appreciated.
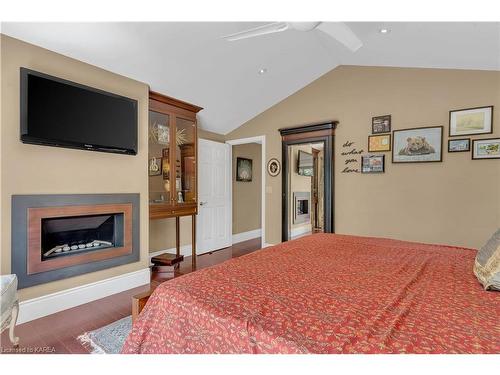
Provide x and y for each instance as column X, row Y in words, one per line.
column 214, row 224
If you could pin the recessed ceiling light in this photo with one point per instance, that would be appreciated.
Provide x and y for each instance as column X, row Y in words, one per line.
column 262, row 70
column 384, row 31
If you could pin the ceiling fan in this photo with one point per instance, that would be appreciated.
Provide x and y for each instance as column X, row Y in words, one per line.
column 337, row 30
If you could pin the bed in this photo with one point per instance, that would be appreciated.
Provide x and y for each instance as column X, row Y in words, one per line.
column 325, row 293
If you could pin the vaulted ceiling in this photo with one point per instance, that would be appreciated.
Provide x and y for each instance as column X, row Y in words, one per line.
column 190, row 60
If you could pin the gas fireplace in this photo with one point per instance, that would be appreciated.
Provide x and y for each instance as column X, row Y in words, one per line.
column 302, row 207
column 54, row 238
column 64, row 236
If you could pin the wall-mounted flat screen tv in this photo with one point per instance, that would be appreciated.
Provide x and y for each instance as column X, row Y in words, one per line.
column 56, row 112
column 305, row 163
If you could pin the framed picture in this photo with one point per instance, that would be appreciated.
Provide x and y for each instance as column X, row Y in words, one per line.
column 165, row 166
column 459, row 145
column 417, row 145
column 243, row 169
column 486, row 148
column 372, row 163
column 471, row 121
column 162, row 134
column 164, row 152
column 154, row 166
column 379, row 143
column 273, row 167
column 381, row 124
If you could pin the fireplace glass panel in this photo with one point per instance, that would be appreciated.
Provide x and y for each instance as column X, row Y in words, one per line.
column 70, row 235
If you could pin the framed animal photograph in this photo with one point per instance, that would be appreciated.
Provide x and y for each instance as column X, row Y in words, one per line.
column 372, row 163
column 243, row 169
column 417, row 145
column 379, row 143
column 459, row 145
column 486, row 148
column 381, row 124
column 471, row 121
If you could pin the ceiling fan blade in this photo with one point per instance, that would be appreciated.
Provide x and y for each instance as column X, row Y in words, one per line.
column 271, row 28
column 342, row 33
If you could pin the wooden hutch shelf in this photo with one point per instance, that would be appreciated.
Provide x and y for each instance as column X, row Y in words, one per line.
column 172, row 163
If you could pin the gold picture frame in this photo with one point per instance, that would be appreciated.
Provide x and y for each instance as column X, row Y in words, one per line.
column 379, row 143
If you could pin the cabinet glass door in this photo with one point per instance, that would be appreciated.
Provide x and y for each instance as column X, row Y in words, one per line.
column 185, row 163
column 159, row 158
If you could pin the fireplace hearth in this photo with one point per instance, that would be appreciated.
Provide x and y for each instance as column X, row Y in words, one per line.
column 59, row 236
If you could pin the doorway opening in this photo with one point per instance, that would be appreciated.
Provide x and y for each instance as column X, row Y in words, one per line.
column 307, row 181
column 248, row 189
column 246, row 192
column 306, row 189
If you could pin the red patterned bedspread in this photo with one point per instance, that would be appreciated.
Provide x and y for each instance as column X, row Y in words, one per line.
column 325, row 293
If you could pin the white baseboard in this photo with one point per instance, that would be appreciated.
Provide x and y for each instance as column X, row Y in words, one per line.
column 301, row 230
column 245, row 236
column 268, row 245
column 65, row 299
column 186, row 249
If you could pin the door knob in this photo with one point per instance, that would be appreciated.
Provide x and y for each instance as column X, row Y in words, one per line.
column 203, row 203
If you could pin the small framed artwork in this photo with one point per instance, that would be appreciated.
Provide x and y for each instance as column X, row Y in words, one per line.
column 471, row 121
column 418, row 145
column 154, row 166
column 379, row 143
column 165, row 166
column 486, row 148
column 372, row 163
column 459, row 145
column 381, row 124
column 273, row 167
column 162, row 132
column 243, row 169
column 164, row 152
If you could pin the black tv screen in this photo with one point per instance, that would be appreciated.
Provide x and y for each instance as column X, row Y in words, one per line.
column 57, row 112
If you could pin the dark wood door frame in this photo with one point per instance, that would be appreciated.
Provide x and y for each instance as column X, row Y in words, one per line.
column 316, row 133
column 315, row 190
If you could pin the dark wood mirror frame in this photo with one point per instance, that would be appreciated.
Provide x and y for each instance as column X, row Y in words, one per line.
column 316, row 133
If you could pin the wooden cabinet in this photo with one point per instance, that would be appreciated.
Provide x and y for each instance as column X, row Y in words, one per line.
column 172, row 161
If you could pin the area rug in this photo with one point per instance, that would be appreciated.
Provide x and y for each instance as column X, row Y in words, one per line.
column 108, row 339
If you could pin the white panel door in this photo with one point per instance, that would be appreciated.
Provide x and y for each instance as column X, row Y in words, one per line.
column 214, row 224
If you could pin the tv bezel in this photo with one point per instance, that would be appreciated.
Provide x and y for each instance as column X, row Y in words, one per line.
column 25, row 138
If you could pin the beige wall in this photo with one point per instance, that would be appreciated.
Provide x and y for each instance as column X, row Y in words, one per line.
column 247, row 195
column 30, row 169
column 454, row 202
column 211, row 136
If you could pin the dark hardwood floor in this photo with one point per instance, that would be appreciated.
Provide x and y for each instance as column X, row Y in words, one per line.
column 57, row 333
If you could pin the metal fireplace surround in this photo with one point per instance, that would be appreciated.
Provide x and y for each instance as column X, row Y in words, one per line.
column 29, row 259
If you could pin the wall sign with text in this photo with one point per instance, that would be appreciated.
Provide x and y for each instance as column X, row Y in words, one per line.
column 352, row 157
